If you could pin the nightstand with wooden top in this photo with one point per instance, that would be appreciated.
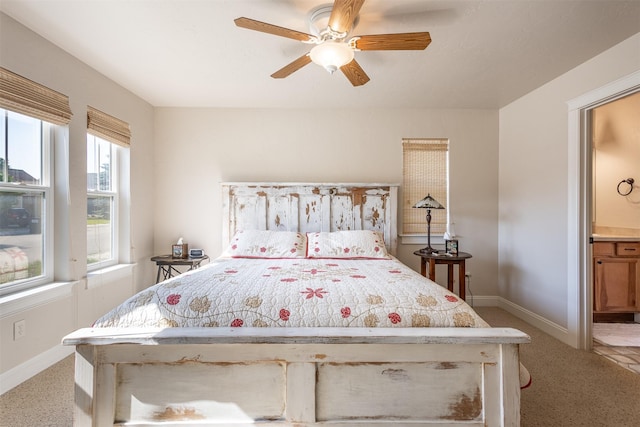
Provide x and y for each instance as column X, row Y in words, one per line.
column 448, row 259
column 167, row 265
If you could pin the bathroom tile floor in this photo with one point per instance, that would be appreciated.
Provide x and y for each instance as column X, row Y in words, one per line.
column 627, row 357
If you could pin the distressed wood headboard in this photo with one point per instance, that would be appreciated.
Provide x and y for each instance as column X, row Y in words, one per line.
column 309, row 207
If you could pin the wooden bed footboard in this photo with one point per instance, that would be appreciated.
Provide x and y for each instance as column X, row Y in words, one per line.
column 297, row 376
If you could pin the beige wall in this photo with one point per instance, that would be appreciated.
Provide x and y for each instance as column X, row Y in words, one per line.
column 533, row 184
column 196, row 149
column 80, row 303
column 616, row 154
column 180, row 156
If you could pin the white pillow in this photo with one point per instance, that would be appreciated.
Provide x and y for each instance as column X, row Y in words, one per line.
column 267, row 244
column 352, row 244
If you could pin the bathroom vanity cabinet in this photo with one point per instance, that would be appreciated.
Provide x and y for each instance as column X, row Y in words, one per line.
column 616, row 275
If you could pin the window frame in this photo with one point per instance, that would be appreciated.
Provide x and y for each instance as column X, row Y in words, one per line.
column 114, row 194
column 48, row 136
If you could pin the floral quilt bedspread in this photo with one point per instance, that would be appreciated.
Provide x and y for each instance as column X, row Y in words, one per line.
column 241, row 292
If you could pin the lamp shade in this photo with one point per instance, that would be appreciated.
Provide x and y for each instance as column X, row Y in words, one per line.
column 331, row 55
column 428, row 203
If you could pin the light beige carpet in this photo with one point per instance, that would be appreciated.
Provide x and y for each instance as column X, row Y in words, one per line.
column 46, row 400
column 617, row 334
column 570, row 387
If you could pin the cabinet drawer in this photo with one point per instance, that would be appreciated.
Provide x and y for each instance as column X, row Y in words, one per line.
column 603, row 248
column 628, row 248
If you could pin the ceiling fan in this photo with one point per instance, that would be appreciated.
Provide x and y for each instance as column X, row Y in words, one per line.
column 332, row 50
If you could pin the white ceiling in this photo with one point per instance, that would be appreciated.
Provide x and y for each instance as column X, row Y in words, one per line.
column 189, row 53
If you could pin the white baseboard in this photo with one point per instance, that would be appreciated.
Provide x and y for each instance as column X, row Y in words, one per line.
column 545, row 325
column 482, row 301
column 19, row 374
column 533, row 319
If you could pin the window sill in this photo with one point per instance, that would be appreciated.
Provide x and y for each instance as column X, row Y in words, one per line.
column 421, row 239
column 34, row 297
column 109, row 274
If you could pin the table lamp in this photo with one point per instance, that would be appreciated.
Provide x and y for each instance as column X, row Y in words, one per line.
column 428, row 203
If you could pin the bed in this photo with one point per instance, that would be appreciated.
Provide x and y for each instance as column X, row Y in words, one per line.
column 307, row 319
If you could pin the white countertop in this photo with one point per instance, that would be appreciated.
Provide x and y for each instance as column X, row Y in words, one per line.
column 605, row 238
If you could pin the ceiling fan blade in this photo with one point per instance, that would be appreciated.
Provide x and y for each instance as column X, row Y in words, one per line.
column 252, row 24
column 354, row 72
column 292, row 67
column 400, row 41
column 343, row 14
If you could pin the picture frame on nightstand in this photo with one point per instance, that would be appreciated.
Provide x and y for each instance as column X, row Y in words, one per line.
column 180, row 251
column 451, row 247
column 176, row 251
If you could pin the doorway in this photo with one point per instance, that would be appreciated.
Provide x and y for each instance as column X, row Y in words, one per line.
column 615, row 230
column 580, row 172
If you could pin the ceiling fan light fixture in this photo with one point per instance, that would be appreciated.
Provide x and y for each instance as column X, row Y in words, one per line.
column 331, row 55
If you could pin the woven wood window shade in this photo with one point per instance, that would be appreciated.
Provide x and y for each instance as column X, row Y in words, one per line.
column 27, row 97
column 424, row 172
column 108, row 127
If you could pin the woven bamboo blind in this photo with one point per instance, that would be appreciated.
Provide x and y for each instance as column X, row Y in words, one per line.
column 108, row 127
column 27, row 97
column 425, row 163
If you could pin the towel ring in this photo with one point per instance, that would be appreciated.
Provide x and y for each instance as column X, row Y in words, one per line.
column 629, row 181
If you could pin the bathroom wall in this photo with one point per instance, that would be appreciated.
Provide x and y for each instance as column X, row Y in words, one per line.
column 616, row 157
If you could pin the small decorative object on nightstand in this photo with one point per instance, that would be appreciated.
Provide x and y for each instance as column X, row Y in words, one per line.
column 451, row 246
column 428, row 203
column 180, row 249
column 177, row 251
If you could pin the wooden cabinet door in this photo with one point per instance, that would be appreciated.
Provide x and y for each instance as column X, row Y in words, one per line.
column 616, row 283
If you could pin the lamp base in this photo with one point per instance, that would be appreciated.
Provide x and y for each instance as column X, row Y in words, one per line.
column 428, row 250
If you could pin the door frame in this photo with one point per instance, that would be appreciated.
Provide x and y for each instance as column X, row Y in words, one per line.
column 579, row 263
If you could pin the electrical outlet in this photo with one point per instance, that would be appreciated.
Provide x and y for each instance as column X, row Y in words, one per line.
column 467, row 274
column 19, row 329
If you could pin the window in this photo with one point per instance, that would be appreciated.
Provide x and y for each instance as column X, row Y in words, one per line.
column 102, row 199
column 106, row 137
column 425, row 171
column 25, row 189
column 33, row 121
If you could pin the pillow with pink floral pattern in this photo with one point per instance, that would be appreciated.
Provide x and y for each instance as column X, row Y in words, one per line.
column 353, row 244
column 267, row 244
